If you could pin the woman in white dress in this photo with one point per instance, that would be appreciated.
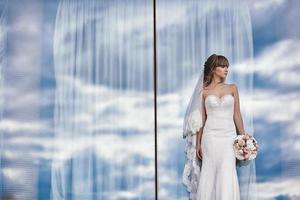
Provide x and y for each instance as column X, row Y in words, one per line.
column 221, row 117
column 216, row 120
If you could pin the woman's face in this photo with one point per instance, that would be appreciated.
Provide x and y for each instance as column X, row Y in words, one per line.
column 221, row 71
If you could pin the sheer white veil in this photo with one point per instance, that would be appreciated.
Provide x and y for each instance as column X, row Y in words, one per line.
column 192, row 124
column 192, row 169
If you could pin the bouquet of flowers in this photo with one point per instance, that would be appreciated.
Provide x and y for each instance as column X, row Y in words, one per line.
column 245, row 147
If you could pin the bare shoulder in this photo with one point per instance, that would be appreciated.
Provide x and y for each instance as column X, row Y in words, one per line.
column 205, row 88
column 204, row 91
column 233, row 87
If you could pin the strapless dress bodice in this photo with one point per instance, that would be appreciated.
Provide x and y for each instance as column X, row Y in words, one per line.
column 219, row 111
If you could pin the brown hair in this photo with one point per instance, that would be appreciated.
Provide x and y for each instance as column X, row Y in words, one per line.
column 210, row 65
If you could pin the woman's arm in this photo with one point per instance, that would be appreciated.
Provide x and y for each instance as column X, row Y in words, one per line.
column 199, row 133
column 237, row 116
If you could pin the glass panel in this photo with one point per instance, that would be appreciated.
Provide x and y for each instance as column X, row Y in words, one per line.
column 189, row 32
column 78, row 121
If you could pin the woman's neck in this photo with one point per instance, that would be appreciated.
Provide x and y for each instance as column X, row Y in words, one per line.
column 216, row 81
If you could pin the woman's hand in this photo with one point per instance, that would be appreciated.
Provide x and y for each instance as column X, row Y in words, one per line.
column 198, row 151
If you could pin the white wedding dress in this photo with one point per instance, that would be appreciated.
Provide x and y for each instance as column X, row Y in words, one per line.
column 218, row 178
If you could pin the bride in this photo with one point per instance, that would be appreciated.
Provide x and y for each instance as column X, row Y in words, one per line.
column 212, row 121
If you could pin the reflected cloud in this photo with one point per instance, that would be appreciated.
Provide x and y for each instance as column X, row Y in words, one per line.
column 13, row 126
column 277, row 187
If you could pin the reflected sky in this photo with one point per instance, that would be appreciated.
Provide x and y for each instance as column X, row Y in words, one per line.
column 27, row 124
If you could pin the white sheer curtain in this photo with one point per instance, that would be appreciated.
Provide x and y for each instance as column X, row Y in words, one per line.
column 188, row 32
column 104, row 139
